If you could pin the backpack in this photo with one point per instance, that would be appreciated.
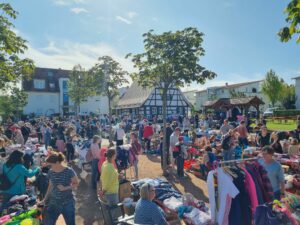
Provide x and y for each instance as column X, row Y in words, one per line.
column 226, row 143
column 5, row 183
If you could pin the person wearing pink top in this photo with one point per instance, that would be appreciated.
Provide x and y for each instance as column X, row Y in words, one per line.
column 102, row 159
column 96, row 156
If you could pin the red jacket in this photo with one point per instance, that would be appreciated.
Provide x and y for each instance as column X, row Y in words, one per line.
column 148, row 131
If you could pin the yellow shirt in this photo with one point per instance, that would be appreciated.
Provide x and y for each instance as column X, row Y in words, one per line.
column 109, row 178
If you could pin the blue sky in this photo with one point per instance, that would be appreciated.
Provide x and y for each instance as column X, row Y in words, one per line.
column 241, row 41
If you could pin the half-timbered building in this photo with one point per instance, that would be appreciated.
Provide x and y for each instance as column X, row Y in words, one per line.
column 148, row 102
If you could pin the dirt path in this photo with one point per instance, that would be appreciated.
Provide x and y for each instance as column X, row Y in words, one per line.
column 87, row 207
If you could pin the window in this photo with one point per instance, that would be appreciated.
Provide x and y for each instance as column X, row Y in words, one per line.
column 52, row 85
column 50, row 74
column 154, row 110
column 39, row 84
column 254, row 90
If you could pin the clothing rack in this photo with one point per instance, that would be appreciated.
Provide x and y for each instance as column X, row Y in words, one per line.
column 237, row 160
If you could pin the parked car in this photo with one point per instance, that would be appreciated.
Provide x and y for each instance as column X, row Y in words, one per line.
column 269, row 112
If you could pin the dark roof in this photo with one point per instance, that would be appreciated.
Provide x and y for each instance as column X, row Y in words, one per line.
column 296, row 77
column 233, row 85
column 231, row 102
column 135, row 96
column 49, row 75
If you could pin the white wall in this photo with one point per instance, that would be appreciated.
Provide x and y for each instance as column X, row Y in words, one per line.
column 297, row 86
column 44, row 103
column 95, row 104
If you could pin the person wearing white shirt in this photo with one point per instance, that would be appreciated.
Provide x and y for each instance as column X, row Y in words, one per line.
column 120, row 134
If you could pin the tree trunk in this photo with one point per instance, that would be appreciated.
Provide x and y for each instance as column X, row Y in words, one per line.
column 110, row 125
column 165, row 152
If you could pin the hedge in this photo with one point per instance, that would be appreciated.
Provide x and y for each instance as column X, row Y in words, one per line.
column 286, row 112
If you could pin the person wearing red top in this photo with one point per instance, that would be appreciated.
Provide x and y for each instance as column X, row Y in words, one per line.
column 147, row 134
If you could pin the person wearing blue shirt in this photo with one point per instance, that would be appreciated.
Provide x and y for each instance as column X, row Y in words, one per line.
column 146, row 211
column 274, row 171
column 16, row 173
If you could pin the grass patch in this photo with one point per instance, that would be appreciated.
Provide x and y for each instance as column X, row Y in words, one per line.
column 280, row 126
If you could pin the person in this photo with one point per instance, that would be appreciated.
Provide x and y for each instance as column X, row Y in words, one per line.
column 297, row 131
column 275, row 143
column 274, row 171
column 120, row 134
column 179, row 154
column 173, row 140
column 109, row 179
column 146, row 211
column 263, row 138
column 70, row 134
column 293, row 148
column 147, row 135
column 16, row 173
column 186, row 123
column 59, row 198
column 135, row 151
column 243, row 133
column 207, row 163
column 18, row 136
column 25, row 130
column 225, row 127
column 47, row 136
column 96, row 156
column 228, row 145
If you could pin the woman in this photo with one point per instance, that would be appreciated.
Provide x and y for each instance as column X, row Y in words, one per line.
column 119, row 135
column 135, row 151
column 16, row 173
column 110, row 179
column 263, row 138
column 96, row 156
column 47, row 136
column 276, row 143
column 208, row 160
column 19, row 139
column 59, row 198
column 274, row 171
column 146, row 211
column 70, row 133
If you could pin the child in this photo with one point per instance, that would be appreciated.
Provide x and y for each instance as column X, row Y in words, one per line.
column 208, row 159
column 293, row 148
column 179, row 154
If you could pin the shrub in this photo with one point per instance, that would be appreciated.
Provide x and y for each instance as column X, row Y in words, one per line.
column 287, row 112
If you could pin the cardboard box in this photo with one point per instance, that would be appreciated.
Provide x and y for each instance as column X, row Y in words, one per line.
column 124, row 190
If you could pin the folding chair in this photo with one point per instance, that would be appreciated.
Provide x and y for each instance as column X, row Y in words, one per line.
column 108, row 217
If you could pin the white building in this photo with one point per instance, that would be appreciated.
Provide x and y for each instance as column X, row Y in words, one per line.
column 297, row 87
column 48, row 94
column 250, row 89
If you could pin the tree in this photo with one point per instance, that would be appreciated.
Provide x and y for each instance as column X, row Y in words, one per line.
column 293, row 19
column 12, row 67
column 288, row 97
column 80, row 86
column 170, row 59
column 12, row 104
column 108, row 77
column 272, row 87
column 236, row 94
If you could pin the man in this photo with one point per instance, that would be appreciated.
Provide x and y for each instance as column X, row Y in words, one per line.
column 228, row 145
column 297, row 133
column 243, row 133
column 173, row 140
column 225, row 127
column 274, row 171
column 147, row 135
column 119, row 135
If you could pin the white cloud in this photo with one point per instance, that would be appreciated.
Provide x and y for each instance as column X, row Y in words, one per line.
column 69, row 2
column 122, row 19
column 66, row 54
column 79, row 10
column 131, row 15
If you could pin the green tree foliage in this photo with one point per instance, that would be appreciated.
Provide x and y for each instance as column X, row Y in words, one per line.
column 288, row 97
column 293, row 20
column 272, row 87
column 12, row 67
column 12, row 105
column 80, row 86
column 236, row 94
column 170, row 59
column 108, row 76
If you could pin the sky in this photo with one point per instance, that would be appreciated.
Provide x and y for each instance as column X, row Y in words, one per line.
column 240, row 42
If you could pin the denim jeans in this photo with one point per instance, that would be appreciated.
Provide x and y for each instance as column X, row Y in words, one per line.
column 136, row 169
column 53, row 211
column 180, row 164
column 243, row 141
column 95, row 173
column 111, row 199
column 277, row 195
column 228, row 155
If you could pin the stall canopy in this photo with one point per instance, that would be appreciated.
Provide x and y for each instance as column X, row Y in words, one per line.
column 230, row 103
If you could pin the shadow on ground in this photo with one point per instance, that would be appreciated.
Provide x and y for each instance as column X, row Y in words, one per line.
column 87, row 205
column 153, row 158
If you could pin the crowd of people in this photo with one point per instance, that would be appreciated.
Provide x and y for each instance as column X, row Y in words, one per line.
column 183, row 135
